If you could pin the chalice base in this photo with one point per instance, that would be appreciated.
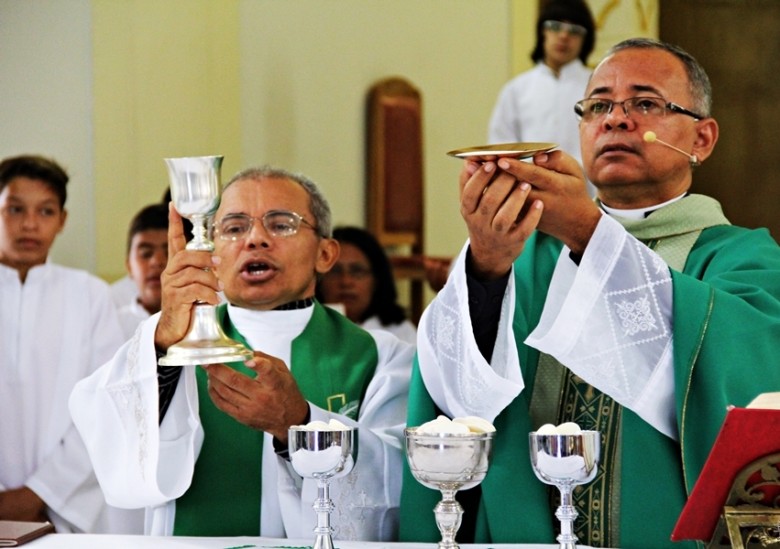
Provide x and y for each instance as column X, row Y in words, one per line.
column 205, row 343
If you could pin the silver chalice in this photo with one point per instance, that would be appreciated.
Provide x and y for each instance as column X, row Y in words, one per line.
column 322, row 455
column 195, row 193
column 565, row 461
column 448, row 463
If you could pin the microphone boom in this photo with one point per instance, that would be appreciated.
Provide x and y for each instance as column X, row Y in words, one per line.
column 650, row 137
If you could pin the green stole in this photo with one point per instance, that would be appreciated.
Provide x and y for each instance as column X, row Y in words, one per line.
column 224, row 496
column 514, row 506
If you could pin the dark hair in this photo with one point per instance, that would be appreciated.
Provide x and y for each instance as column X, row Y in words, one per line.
column 572, row 11
column 154, row 216
column 699, row 84
column 383, row 303
column 38, row 168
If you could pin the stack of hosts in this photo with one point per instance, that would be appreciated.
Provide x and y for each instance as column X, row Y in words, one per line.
column 642, row 315
column 362, row 283
column 57, row 326
column 205, row 449
column 536, row 105
column 147, row 256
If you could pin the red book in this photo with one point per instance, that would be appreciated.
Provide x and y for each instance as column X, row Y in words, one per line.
column 747, row 434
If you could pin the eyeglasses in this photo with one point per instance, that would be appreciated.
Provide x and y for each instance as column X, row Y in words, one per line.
column 644, row 107
column 560, row 26
column 276, row 222
column 358, row 272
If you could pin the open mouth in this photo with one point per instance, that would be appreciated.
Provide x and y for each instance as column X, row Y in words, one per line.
column 257, row 270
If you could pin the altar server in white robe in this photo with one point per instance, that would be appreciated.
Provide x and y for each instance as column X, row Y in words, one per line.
column 57, row 325
column 204, row 448
column 147, row 255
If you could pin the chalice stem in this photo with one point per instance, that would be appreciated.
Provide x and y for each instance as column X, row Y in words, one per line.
column 566, row 513
column 323, row 506
column 199, row 240
column 448, row 517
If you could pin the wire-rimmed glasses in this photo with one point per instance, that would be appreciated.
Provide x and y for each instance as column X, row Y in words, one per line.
column 594, row 108
column 276, row 222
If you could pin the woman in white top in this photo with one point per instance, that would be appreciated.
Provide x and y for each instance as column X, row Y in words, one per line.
column 538, row 104
column 362, row 283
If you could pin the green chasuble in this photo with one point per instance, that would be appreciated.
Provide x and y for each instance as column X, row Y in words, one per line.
column 333, row 361
column 726, row 310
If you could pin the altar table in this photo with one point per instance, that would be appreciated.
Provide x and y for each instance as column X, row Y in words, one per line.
column 100, row 541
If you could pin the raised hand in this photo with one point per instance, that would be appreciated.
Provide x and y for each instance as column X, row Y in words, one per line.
column 499, row 217
column 556, row 180
column 187, row 278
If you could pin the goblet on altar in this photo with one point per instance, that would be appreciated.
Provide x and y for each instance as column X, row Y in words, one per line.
column 565, row 461
column 448, row 462
column 322, row 455
column 195, row 193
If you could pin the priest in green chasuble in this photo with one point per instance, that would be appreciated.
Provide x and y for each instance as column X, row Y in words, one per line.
column 642, row 314
column 203, row 449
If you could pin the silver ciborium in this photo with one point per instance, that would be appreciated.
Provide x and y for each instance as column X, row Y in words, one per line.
column 322, row 455
column 565, row 461
column 195, row 193
column 448, row 463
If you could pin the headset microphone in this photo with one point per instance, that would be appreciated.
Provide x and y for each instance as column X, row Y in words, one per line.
column 650, row 137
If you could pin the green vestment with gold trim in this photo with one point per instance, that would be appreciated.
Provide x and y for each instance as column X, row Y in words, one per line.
column 332, row 360
column 726, row 311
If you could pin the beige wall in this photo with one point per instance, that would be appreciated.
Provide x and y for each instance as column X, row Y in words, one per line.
column 46, row 98
column 263, row 81
column 112, row 87
column 166, row 84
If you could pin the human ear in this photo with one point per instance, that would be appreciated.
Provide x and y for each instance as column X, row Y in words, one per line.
column 327, row 254
column 707, row 132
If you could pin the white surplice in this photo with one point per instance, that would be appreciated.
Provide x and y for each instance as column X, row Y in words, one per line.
column 131, row 314
column 139, row 463
column 55, row 329
column 404, row 330
column 577, row 327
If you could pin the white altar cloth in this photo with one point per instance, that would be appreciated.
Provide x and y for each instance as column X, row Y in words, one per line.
column 99, row 541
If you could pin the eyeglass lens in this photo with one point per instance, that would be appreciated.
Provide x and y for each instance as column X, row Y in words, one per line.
column 561, row 26
column 589, row 109
column 277, row 223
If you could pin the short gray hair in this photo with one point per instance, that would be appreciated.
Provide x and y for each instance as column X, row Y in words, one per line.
column 698, row 81
column 317, row 203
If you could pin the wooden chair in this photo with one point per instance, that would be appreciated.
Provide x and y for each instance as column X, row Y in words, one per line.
column 395, row 211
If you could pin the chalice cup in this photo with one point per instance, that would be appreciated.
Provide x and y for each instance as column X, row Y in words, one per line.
column 448, row 463
column 565, row 461
column 322, row 455
column 195, row 193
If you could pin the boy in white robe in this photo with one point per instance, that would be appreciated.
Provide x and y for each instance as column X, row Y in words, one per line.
column 56, row 326
column 147, row 256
